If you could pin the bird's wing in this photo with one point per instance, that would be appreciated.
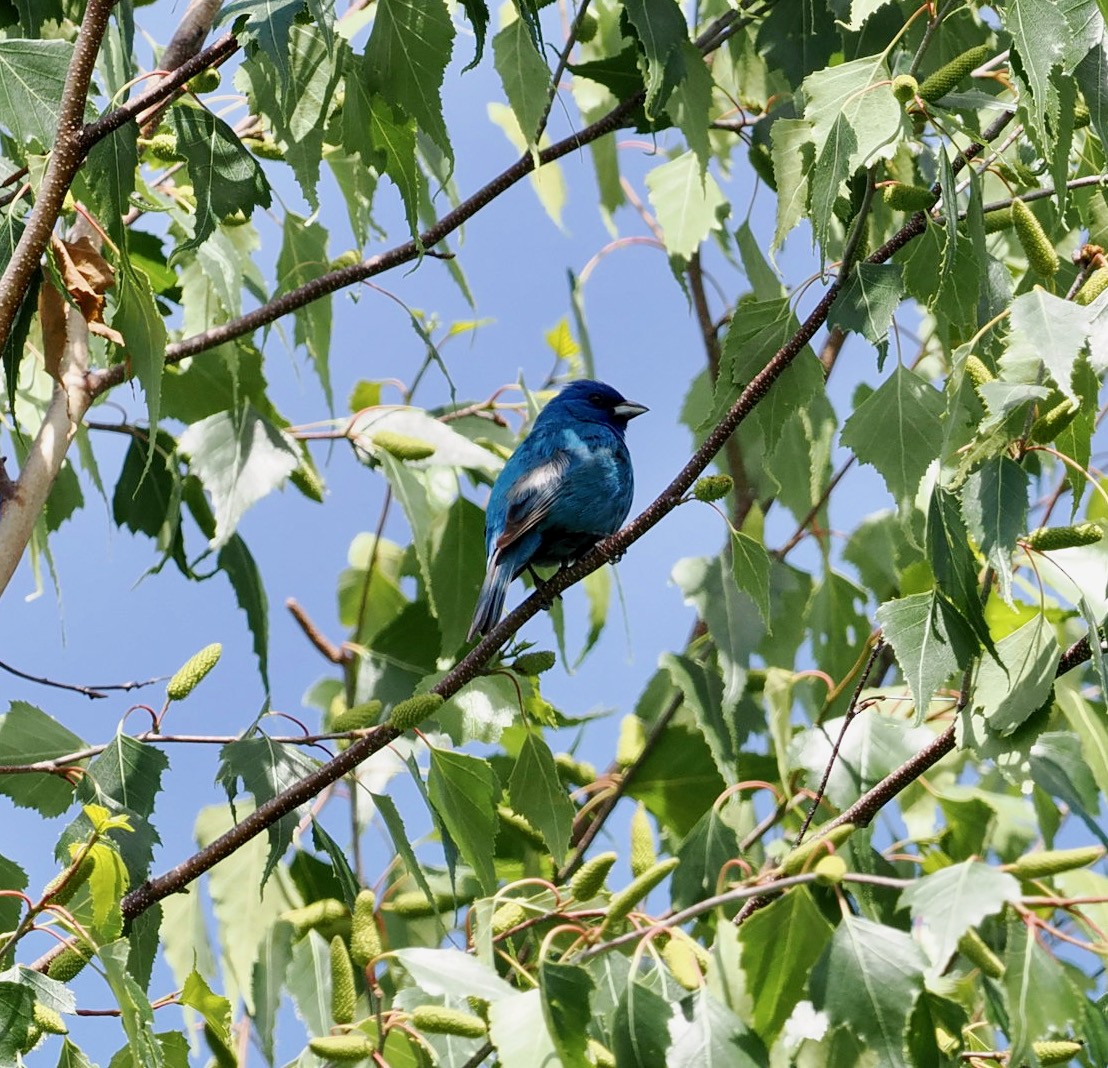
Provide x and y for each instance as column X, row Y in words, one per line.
column 531, row 497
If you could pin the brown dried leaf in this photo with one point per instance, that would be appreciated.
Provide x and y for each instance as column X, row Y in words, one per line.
column 85, row 274
column 53, row 311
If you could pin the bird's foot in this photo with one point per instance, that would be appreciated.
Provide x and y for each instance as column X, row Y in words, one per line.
column 546, row 599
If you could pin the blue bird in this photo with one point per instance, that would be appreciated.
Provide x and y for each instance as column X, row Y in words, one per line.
column 567, row 486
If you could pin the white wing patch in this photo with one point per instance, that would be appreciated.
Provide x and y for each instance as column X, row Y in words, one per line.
column 540, row 479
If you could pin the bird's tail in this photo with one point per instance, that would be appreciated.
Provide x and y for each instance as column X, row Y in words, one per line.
column 490, row 602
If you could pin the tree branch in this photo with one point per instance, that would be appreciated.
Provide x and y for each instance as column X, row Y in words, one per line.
column 65, row 157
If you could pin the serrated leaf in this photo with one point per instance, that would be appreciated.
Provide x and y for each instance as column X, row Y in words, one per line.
column 954, row 564
column 833, row 167
column 640, row 1027
column 952, row 900
column 703, row 696
column 268, row 22
column 931, row 641
column 897, row 430
column 793, row 159
column 32, row 77
column 706, row 849
column 126, row 779
column 303, row 257
column 994, row 503
column 464, row 790
column 1050, row 333
column 536, row 793
column 661, row 28
column 137, row 318
column 548, row 181
column 136, row 1014
column 28, row 735
column 1011, row 690
column 780, row 945
column 240, row 457
column 707, row 1033
column 1042, row 1001
column 524, row 75
column 265, row 768
column 450, row 972
column 457, row 566
column 750, row 564
column 686, row 202
column 237, row 563
column 565, row 990
column 406, row 58
column 869, row 978
column 225, row 177
column 869, row 300
column 16, row 1008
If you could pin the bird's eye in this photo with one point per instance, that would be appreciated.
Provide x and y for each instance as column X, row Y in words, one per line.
column 597, row 399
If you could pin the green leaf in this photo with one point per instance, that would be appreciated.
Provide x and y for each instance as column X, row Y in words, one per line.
column 1042, row 1001
column 16, row 1007
column 952, row 900
column 110, row 175
column 875, row 746
column 711, row 844
column 236, row 562
column 537, row 794
column 72, row 1057
column 1011, row 690
column 709, row 585
column 853, row 93
column 661, row 29
column 1089, row 725
column 267, row 22
column 406, row 58
column 686, row 201
column 640, row 1028
column 706, row 1032
column 450, row 972
column 297, row 102
column 340, row 866
column 457, row 566
column 304, row 257
column 126, row 778
column 897, row 430
column 240, row 457
column 265, row 768
column 268, row 983
column 137, row 318
column 1050, row 333
column 763, row 280
column 136, row 1013
column 954, row 562
column 780, row 945
column 482, row 710
column 28, row 735
column 524, row 74
column 216, row 1013
column 225, row 177
column 931, row 641
column 565, row 990
column 464, row 790
column 518, row 1030
column 309, row 982
column 793, row 161
column 32, row 76
column 548, row 181
column 869, row 300
column 703, row 696
column 994, row 504
column 691, row 102
column 833, row 167
column 750, row 564
column 245, row 908
column 869, row 978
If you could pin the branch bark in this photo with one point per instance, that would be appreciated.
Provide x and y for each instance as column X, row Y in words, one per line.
column 65, row 157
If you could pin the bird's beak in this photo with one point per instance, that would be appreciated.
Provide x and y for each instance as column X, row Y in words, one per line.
column 629, row 409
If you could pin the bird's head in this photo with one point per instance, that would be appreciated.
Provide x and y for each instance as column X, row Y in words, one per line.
column 596, row 402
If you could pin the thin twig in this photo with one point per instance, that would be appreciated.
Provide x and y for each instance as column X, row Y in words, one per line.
column 337, row 654
column 92, row 692
column 852, row 710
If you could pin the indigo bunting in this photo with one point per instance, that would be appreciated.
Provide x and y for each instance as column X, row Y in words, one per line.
column 567, row 486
